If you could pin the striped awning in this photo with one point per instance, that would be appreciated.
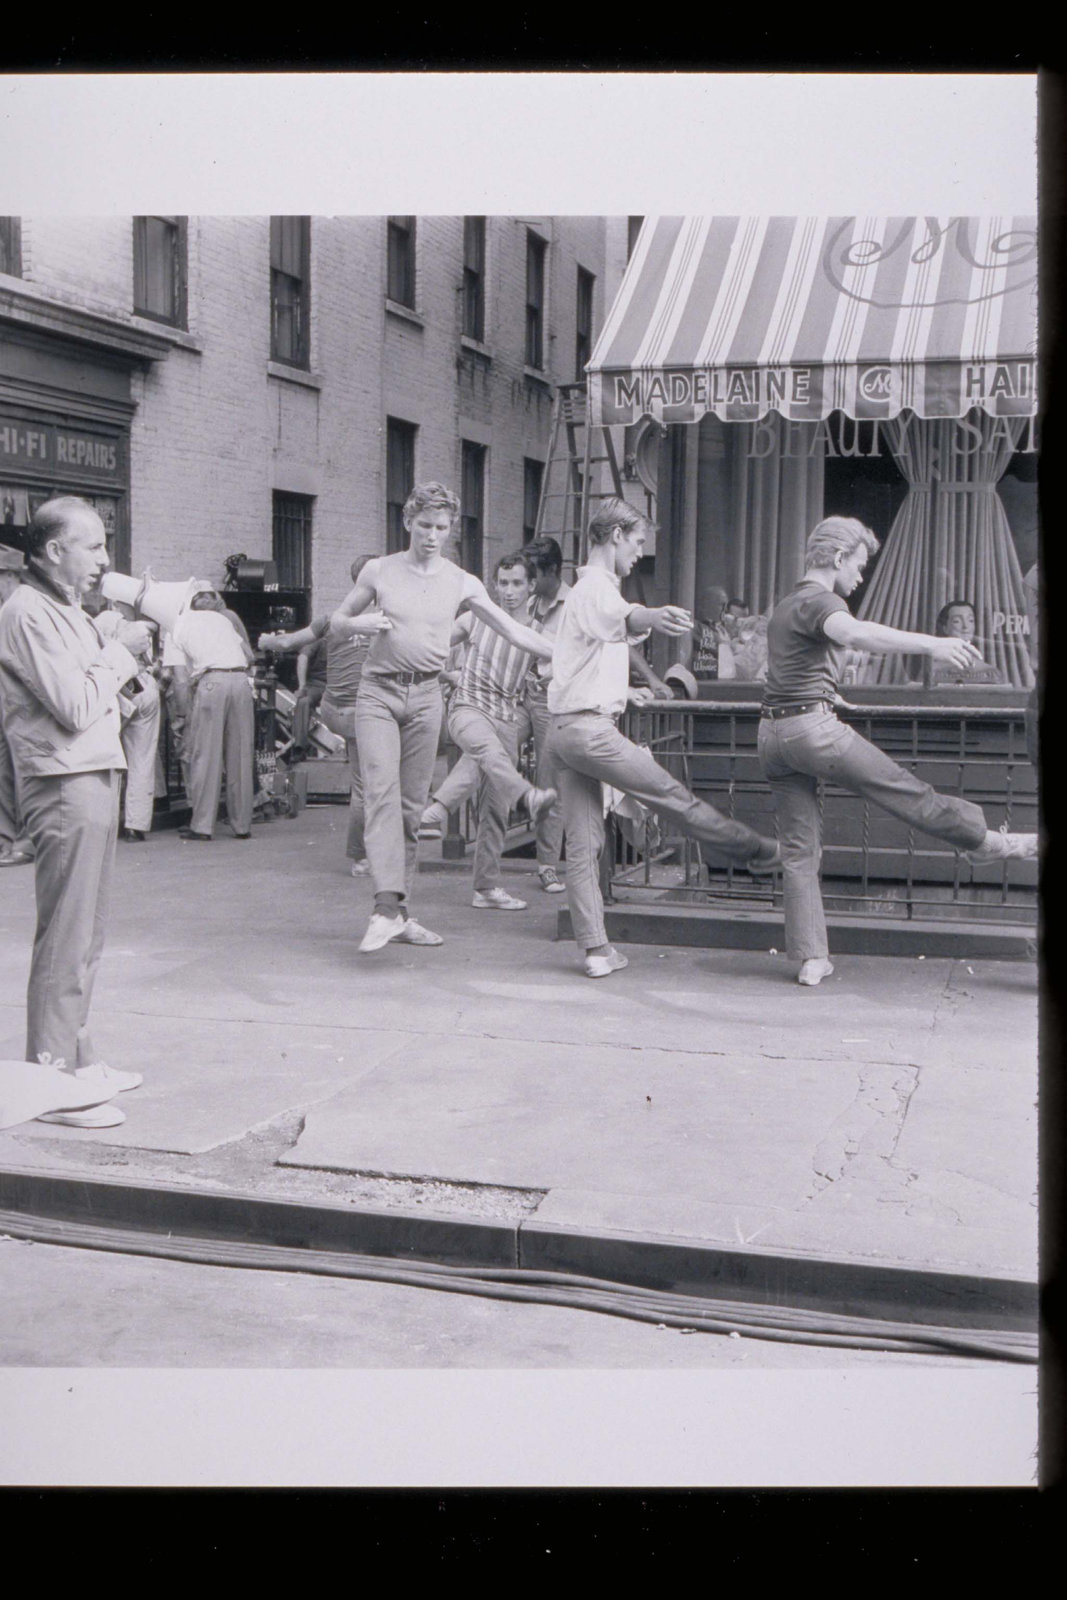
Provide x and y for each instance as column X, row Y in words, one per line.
column 808, row 315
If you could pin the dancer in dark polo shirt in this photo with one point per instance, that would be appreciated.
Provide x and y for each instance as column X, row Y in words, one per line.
column 801, row 740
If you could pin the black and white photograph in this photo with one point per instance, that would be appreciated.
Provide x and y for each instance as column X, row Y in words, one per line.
column 519, row 777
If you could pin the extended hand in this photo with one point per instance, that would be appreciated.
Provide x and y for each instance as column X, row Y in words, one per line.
column 672, row 620
column 957, row 653
column 271, row 641
column 373, row 621
column 640, row 696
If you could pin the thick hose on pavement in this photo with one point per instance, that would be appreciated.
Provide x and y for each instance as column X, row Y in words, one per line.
column 785, row 1324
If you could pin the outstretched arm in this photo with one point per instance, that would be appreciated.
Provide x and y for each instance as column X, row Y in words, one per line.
column 671, row 620
column 514, row 632
column 843, row 628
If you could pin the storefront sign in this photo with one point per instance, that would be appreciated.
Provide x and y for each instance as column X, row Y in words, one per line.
column 61, row 454
column 839, row 435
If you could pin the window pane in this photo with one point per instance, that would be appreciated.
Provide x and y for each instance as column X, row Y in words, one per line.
column 474, row 277
column 11, row 246
column 532, row 476
column 472, row 496
column 535, row 298
column 583, row 335
column 292, row 540
column 399, row 479
column 157, row 268
column 400, row 264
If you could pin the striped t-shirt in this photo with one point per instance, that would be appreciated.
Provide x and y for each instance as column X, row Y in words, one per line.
column 493, row 674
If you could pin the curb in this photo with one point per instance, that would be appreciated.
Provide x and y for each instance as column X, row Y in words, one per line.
column 707, row 928
column 779, row 1278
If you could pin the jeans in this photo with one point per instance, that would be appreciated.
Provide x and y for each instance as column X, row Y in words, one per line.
column 72, row 820
column 589, row 750
column 535, row 719
column 397, row 727
column 494, row 745
column 342, row 722
column 795, row 752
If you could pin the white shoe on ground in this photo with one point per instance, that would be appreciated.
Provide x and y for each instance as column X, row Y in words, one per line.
column 99, row 1074
column 90, row 1117
column 380, row 930
column 814, row 971
column 550, row 881
column 604, row 966
column 414, row 933
column 999, row 846
column 360, row 869
column 497, row 900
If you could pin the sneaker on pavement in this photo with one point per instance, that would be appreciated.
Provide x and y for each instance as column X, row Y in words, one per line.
column 767, row 857
column 812, row 972
column 108, row 1078
column 538, row 801
column 999, row 846
column 360, row 869
column 550, row 881
column 380, row 930
column 90, row 1117
column 604, row 966
column 497, row 900
column 414, row 933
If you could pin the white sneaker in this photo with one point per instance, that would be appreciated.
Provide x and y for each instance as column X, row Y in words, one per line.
column 109, row 1078
column 414, row 933
column 360, row 869
column 90, row 1117
column 812, row 972
column 550, row 881
column 604, row 966
column 999, row 846
column 497, row 900
column 380, row 930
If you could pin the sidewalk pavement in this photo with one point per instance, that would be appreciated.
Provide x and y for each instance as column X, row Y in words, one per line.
column 887, row 1117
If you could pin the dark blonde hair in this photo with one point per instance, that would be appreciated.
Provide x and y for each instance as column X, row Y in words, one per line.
column 434, row 495
column 615, row 513
column 837, row 536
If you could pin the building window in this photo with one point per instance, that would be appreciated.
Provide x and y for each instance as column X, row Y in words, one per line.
column 633, row 228
column 533, row 473
column 399, row 479
column 292, row 539
column 290, row 290
column 11, row 246
column 159, row 273
column 536, row 250
column 474, row 278
column 401, row 261
column 472, row 498
column 583, row 323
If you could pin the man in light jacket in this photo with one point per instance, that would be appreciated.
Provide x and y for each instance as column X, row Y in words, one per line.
column 60, row 682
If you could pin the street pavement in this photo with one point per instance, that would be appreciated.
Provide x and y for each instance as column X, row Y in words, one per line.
column 885, row 1117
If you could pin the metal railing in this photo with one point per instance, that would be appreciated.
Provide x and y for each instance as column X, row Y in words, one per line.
column 872, row 863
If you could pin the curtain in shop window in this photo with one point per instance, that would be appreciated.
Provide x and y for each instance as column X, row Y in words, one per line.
column 949, row 541
column 776, row 501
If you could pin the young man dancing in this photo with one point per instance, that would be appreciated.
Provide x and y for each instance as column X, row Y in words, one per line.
column 588, row 691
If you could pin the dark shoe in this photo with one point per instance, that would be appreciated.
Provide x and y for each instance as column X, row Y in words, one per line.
column 132, row 836
column 242, row 836
column 187, row 833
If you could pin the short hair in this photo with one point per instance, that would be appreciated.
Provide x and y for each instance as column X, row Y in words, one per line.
column 357, row 566
column 941, row 625
column 50, row 521
column 517, row 558
column 434, row 496
column 545, row 554
column 615, row 513
column 837, row 536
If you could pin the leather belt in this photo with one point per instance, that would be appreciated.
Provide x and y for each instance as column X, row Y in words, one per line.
column 797, row 709
column 404, row 677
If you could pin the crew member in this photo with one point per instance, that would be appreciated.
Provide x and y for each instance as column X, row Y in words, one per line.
column 221, row 726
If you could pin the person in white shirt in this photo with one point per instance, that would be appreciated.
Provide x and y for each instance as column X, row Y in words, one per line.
column 588, row 691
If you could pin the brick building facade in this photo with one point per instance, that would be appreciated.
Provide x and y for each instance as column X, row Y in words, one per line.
column 269, row 386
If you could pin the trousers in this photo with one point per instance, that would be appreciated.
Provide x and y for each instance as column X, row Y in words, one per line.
column 140, row 737
column 493, row 745
column 589, row 750
column 72, row 820
column 10, row 820
column 397, row 728
column 795, row 752
column 222, row 731
column 342, row 722
column 535, row 718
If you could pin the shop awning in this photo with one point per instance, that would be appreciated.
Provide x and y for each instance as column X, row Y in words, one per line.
column 808, row 315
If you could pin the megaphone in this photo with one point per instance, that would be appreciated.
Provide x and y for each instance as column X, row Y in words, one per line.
column 163, row 603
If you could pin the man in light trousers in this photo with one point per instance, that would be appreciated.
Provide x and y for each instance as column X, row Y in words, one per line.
column 588, row 692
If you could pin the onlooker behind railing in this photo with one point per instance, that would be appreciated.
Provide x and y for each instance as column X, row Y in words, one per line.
column 957, row 620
